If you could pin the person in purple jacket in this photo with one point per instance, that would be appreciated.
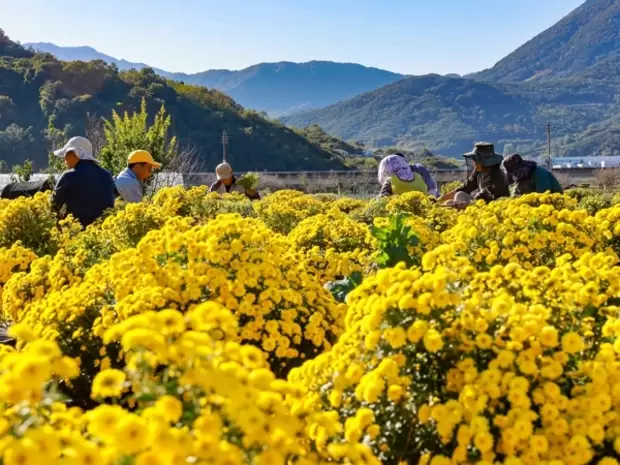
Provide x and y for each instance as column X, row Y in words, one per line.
column 431, row 184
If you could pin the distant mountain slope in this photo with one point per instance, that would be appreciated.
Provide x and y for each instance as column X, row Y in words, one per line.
column 286, row 87
column 568, row 76
column 448, row 114
column 87, row 54
column 588, row 35
column 39, row 91
column 277, row 88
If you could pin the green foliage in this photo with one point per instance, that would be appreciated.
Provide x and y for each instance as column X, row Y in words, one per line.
column 594, row 202
column 132, row 132
column 343, row 287
column 16, row 143
column 249, row 181
column 394, row 242
column 318, row 136
column 22, row 173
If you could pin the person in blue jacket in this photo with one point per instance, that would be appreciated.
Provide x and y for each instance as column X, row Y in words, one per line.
column 527, row 176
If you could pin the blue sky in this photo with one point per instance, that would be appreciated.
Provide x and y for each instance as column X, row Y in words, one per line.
column 407, row 36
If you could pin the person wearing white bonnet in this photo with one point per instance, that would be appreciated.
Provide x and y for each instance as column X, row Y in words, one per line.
column 78, row 148
column 227, row 182
column 85, row 190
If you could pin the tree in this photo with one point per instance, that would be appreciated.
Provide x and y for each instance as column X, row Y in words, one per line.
column 55, row 139
column 16, row 143
column 125, row 134
column 22, row 173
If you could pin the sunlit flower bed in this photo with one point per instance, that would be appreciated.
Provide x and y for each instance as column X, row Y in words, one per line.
column 200, row 329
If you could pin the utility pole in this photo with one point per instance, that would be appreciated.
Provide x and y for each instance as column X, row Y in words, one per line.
column 224, row 144
column 549, row 144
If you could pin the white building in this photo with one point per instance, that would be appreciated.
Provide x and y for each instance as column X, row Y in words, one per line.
column 585, row 162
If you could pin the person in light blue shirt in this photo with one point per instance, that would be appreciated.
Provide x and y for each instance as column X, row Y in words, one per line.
column 130, row 181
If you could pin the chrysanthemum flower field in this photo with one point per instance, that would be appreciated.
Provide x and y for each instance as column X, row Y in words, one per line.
column 312, row 329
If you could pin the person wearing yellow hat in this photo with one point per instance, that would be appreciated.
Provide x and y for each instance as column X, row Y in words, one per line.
column 130, row 181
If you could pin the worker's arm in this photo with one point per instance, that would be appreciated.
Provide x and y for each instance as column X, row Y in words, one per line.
column 129, row 189
column 386, row 189
column 252, row 194
column 430, row 182
column 468, row 187
column 61, row 191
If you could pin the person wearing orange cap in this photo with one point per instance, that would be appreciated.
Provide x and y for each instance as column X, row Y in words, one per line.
column 130, row 181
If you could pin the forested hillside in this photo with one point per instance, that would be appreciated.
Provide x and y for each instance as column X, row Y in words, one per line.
column 584, row 38
column 447, row 114
column 40, row 95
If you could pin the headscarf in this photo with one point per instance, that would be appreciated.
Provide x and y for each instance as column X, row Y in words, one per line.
column 516, row 168
column 394, row 165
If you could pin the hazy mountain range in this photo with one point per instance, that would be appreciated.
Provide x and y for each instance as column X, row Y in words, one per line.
column 277, row 88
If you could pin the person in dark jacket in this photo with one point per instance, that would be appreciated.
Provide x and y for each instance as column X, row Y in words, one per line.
column 86, row 190
column 527, row 176
column 488, row 182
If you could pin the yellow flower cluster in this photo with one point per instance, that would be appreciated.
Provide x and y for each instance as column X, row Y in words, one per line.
column 458, row 366
column 285, row 209
column 197, row 396
column 333, row 245
column 29, row 220
column 12, row 260
column 508, row 231
column 236, row 261
column 195, row 328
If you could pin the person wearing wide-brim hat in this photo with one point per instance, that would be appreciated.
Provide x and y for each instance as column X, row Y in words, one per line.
column 488, row 181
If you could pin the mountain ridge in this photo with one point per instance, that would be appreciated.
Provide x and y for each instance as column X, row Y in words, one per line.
column 568, row 75
column 573, row 44
column 278, row 88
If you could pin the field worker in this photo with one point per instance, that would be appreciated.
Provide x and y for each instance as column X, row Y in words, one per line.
column 395, row 177
column 527, row 176
column 487, row 180
column 430, row 182
column 227, row 183
column 85, row 190
column 130, row 181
